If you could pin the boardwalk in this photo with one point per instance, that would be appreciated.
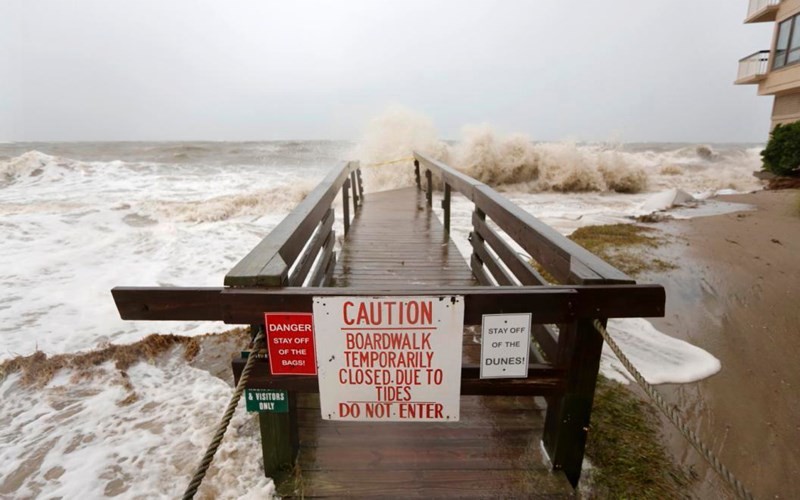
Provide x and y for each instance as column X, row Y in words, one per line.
column 493, row 452
column 396, row 247
column 395, row 242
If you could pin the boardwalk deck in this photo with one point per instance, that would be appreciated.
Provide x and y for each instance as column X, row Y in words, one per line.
column 395, row 246
column 493, row 452
column 397, row 241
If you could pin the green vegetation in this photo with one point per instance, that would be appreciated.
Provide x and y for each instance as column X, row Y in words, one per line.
column 620, row 245
column 782, row 154
column 625, row 448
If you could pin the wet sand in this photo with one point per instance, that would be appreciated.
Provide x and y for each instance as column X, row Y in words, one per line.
column 736, row 294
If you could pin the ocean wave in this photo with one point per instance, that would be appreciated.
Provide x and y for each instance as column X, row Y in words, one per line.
column 255, row 203
column 37, row 166
column 516, row 163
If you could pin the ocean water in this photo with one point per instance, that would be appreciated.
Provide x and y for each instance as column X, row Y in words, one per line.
column 78, row 219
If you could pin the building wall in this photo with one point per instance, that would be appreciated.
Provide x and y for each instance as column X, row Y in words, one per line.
column 783, row 83
column 786, row 109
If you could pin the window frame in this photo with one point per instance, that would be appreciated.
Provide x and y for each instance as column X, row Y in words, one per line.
column 782, row 61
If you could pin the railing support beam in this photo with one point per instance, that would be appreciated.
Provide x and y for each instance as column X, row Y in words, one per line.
column 346, row 205
column 446, row 207
column 566, row 424
column 429, row 189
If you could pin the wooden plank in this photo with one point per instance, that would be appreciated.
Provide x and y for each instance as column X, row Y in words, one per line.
column 473, row 455
column 299, row 274
column 398, row 242
column 555, row 304
column 326, row 255
column 268, row 263
column 462, row 484
column 524, row 272
column 480, row 273
column 169, row 303
column 501, row 276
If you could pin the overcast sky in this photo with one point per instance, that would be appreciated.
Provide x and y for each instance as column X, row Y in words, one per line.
column 625, row 70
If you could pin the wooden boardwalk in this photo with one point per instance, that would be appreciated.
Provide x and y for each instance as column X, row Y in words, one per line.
column 397, row 242
column 493, row 452
column 395, row 246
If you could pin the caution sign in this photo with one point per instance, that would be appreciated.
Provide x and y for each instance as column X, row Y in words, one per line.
column 290, row 343
column 389, row 358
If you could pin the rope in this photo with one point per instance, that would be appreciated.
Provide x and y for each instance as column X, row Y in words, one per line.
column 200, row 473
column 675, row 418
column 399, row 160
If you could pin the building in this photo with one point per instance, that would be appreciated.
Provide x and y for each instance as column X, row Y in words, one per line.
column 776, row 71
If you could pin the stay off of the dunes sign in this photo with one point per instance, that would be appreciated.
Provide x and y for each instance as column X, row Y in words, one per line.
column 389, row 358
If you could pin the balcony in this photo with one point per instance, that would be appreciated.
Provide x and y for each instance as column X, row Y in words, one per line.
column 760, row 11
column 753, row 68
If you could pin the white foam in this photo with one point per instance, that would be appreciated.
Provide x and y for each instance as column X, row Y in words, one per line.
column 72, row 230
column 665, row 200
column 660, row 358
column 76, row 440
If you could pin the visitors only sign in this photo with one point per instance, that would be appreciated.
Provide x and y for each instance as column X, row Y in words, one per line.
column 290, row 343
column 389, row 358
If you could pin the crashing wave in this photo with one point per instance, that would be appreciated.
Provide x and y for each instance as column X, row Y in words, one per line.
column 255, row 203
column 515, row 163
column 36, row 165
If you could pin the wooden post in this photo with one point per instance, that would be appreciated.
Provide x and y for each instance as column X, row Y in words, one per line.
column 429, row 191
column 446, row 207
column 567, row 421
column 476, row 263
column 416, row 175
column 360, row 186
column 354, row 183
column 346, row 205
column 280, row 441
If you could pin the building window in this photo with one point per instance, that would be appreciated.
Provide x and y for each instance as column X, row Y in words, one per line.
column 787, row 46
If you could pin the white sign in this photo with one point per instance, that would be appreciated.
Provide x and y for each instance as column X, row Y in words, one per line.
column 505, row 345
column 389, row 358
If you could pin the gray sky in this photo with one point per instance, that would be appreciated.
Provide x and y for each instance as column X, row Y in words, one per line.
column 625, row 70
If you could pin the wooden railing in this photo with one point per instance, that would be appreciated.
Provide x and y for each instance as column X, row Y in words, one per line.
column 285, row 256
column 565, row 358
column 572, row 346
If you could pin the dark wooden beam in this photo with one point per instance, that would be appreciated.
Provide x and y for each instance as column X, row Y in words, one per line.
column 553, row 304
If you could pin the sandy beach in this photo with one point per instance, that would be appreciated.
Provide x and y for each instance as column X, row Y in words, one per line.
column 735, row 295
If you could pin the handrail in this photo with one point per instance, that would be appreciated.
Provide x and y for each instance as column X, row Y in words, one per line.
column 557, row 254
column 756, row 53
column 754, row 65
column 269, row 262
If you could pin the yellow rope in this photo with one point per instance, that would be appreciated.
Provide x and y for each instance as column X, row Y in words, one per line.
column 399, row 160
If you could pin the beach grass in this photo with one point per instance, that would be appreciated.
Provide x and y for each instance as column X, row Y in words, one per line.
column 621, row 245
column 625, row 448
